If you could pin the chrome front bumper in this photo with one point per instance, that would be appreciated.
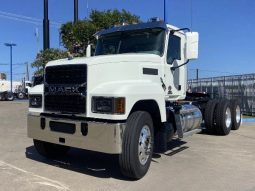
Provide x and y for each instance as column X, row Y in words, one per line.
column 101, row 137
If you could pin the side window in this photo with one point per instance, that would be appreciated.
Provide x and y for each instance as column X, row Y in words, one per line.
column 174, row 49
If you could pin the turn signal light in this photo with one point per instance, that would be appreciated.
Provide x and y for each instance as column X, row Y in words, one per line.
column 120, row 105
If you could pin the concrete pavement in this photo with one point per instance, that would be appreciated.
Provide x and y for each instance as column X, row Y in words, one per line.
column 201, row 162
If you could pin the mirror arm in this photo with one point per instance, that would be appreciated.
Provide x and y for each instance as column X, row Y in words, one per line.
column 173, row 68
column 182, row 29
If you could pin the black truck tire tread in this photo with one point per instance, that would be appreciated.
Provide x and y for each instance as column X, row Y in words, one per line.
column 128, row 159
column 220, row 116
column 210, row 116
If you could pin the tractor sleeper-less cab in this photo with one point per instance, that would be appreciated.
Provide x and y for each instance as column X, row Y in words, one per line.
column 128, row 99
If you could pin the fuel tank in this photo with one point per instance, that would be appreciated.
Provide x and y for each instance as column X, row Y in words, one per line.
column 190, row 117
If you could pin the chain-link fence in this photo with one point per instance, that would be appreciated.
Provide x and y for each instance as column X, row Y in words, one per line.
column 240, row 87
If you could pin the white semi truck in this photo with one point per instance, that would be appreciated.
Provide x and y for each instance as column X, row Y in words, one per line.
column 128, row 99
column 5, row 89
column 19, row 90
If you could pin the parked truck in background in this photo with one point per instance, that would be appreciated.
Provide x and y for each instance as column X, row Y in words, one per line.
column 5, row 89
column 22, row 91
column 19, row 90
column 128, row 99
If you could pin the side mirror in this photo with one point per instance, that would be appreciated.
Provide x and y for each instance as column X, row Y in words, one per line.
column 192, row 39
column 88, row 51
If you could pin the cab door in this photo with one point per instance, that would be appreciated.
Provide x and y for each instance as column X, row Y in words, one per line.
column 175, row 78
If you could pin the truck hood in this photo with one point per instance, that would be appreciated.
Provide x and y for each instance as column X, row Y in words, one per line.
column 38, row 89
column 117, row 58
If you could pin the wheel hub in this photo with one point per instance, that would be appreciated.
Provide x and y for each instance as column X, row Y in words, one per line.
column 144, row 145
column 238, row 114
column 228, row 118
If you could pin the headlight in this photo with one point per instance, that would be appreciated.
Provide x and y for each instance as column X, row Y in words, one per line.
column 35, row 101
column 108, row 105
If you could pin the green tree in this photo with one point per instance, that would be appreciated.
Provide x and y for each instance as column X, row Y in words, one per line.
column 43, row 57
column 106, row 19
column 76, row 36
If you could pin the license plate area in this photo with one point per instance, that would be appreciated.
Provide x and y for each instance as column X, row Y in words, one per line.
column 62, row 127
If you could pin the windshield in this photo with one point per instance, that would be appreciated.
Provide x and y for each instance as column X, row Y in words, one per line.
column 140, row 41
column 28, row 84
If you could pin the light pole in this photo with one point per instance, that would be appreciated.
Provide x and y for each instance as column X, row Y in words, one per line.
column 164, row 10
column 75, row 11
column 10, row 45
column 46, row 30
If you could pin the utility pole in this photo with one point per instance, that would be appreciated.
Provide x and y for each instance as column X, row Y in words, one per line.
column 165, row 10
column 27, row 71
column 76, row 11
column 37, row 39
column 197, row 78
column 46, row 31
column 87, row 9
column 10, row 45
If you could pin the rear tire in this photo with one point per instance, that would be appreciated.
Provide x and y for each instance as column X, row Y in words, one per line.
column 223, row 117
column 1, row 97
column 137, row 145
column 50, row 150
column 210, row 116
column 10, row 96
column 235, row 114
column 21, row 95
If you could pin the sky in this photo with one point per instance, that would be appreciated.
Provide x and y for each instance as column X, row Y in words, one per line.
column 226, row 28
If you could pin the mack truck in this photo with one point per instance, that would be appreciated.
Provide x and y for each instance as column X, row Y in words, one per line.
column 130, row 98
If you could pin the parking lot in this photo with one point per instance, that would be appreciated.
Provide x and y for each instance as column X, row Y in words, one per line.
column 201, row 162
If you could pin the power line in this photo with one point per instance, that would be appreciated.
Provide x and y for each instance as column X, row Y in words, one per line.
column 26, row 19
column 17, row 64
column 20, row 16
column 19, row 19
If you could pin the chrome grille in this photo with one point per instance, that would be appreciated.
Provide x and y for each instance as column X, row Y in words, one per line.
column 65, row 88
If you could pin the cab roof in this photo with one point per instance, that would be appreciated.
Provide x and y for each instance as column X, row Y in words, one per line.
column 130, row 27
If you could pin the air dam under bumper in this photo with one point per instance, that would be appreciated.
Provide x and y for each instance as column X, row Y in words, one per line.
column 101, row 137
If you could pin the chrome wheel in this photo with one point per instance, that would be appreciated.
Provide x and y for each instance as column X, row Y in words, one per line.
column 144, row 145
column 228, row 118
column 238, row 114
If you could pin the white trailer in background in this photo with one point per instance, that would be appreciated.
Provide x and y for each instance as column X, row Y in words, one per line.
column 19, row 89
column 5, row 89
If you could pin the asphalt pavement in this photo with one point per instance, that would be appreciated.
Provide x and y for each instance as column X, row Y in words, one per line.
column 200, row 162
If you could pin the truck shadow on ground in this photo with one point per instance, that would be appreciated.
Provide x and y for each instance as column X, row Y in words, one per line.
column 93, row 163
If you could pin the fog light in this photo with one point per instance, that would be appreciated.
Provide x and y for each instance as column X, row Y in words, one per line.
column 35, row 101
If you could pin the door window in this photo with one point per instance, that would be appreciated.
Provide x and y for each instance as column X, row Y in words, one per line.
column 174, row 49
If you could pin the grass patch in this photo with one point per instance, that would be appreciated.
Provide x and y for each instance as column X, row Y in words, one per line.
column 247, row 116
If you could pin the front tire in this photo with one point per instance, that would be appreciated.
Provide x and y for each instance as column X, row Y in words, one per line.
column 137, row 145
column 50, row 150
